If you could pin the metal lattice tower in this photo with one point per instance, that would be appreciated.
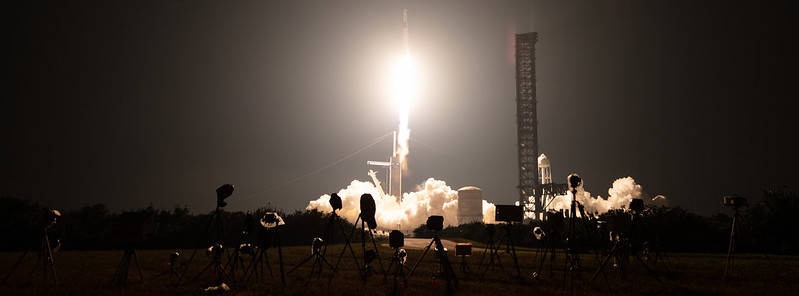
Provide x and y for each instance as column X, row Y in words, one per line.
column 526, row 122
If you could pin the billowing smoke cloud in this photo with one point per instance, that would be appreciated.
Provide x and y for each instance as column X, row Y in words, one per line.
column 433, row 197
column 619, row 196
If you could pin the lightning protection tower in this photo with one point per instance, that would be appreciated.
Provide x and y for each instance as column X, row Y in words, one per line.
column 526, row 123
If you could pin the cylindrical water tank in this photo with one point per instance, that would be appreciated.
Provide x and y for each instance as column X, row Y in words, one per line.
column 470, row 205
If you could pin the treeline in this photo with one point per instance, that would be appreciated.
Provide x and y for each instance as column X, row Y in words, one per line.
column 97, row 227
column 769, row 226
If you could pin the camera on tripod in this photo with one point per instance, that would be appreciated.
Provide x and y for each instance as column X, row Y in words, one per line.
column 435, row 223
column 636, row 205
column 734, row 201
column 222, row 193
column 335, row 202
column 396, row 239
column 271, row 220
column 509, row 213
column 574, row 181
column 463, row 249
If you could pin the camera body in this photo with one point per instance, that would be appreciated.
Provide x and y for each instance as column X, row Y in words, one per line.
column 435, row 223
column 463, row 249
column 335, row 202
column 396, row 239
column 636, row 205
column 368, row 210
column 222, row 193
column 734, row 201
column 271, row 220
column 509, row 213
column 574, row 181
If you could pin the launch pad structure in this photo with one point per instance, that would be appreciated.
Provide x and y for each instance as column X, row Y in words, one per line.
column 534, row 191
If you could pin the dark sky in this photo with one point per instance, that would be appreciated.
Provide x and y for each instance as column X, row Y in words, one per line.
column 137, row 103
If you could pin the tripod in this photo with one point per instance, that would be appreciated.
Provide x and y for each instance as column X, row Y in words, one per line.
column 334, row 220
column 621, row 250
column 572, row 263
column 318, row 252
column 272, row 237
column 447, row 272
column 44, row 259
column 216, row 250
column 121, row 274
column 493, row 251
column 547, row 248
column 172, row 271
column 236, row 260
column 464, row 267
column 366, row 268
column 398, row 265
column 729, row 265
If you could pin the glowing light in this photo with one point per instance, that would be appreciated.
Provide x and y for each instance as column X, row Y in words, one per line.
column 405, row 87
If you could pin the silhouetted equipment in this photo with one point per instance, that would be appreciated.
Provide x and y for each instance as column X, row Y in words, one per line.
column 129, row 229
column 172, row 271
column 396, row 239
column 367, row 216
column 44, row 258
column 549, row 234
column 446, row 268
column 435, row 223
column 268, row 237
column 572, row 264
column 335, row 202
column 318, row 250
column 625, row 244
column 736, row 202
column 222, row 193
column 333, row 222
column 637, row 205
column 463, row 250
column 539, row 233
column 368, row 210
column 574, row 181
column 509, row 213
column 242, row 248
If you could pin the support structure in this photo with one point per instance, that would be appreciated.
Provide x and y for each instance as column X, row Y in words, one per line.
column 526, row 123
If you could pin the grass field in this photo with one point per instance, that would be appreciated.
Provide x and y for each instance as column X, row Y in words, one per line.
column 90, row 273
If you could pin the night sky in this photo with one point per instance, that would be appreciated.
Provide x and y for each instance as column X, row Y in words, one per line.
column 136, row 103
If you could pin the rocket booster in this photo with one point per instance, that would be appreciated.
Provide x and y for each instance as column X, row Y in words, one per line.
column 405, row 30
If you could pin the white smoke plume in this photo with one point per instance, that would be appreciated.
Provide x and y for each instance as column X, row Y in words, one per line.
column 433, row 197
column 619, row 196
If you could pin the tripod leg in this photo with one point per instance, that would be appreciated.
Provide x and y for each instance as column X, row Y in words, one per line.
column 347, row 244
column 194, row 252
column 421, row 258
column 605, row 261
column 50, row 259
column 301, row 263
column 377, row 252
column 138, row 267
column 515, row 259
column 280, row 257
column 730, row 248
column 649, row 269
column 14, row 267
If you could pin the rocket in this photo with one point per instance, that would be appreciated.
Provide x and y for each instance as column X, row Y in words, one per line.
column 405, row 30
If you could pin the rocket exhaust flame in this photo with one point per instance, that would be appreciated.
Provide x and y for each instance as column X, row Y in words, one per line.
column 433, row 197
